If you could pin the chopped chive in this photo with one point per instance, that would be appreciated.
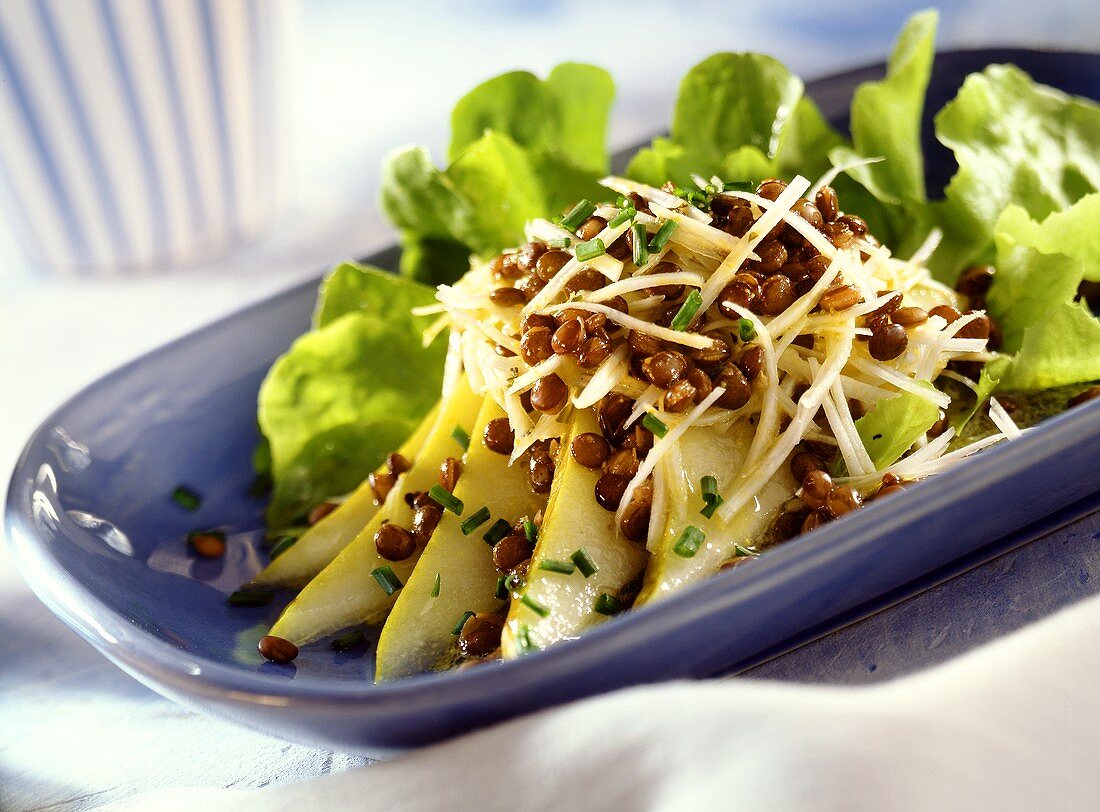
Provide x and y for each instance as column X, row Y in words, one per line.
column 743, row 550
column 387, row 579
column 460, row 436
column 457, row 630
column 435, row 586
column 628, row 213
column 499, row 530
column 746, row 329
column 680, row 192
column 590, row 250
column 474, row 520
column 687, row 311
column 560, row 242
column 710, row 508
column 738, row 186
column 530, row 531
column 502, row 588
column 346, row 642
column 523, row 639
column 251, row 597
column 641, row 255
column 710, row 496
column 186, row 498
column 534, row 606
column 514, row 582
column 660, row 239
column 441, row 496
column 654, row 424
column 578, row 214
column 689, row 542
column 624, row 202
column 281, row 546
column 553, row 565
column 584, row 563
column 607, row 605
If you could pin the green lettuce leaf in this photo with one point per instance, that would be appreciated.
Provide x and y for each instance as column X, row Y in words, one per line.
column 1016, row 142
column 1061, row 349
column 892, row 427
column 348, row 392
column 886, row 123
column 565, row 115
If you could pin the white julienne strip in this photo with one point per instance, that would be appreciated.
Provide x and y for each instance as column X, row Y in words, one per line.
column 452, row 366
column 781, row 207
column 927, row 248
column 699, row 237
column 857, row 459
column 429, row 310
column 649, row 397
column 544, row 230
column 531, row 376
column 633, row 283
column 432, row 331
column 933, row 357
column 834, row 173
column 801, row 306
column 694, row 340
column 488, row 330
column 556, row 286
column 625, row 187
column 604, row 379
column 660, row 503
column 760, row 229
column 903, row 382
column 816, row 322
column 661, row 447
column 751, row 481
column 1002, row 420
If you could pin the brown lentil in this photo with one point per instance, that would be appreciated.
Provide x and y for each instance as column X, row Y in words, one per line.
column 978, row 328
column 511, row 551
column 751, row 361
column 591, row 227
column 622, row 462
column 449, row 472
column 975, row 280
column 426, row 517
column 530, row 254
column 737, row 294
column 945, row 312
column 827, row 203
column 737, row 386
column 888, row 490
column 394, row 543
column 815, row 519
column 529, row 286
column 776, row 295
column 610, row 489
column 909, row 316
column 549, row 393
column 1092, row 393
column 635, row 523
column 892, row 304
column 507, row 297
column 680, row 396
column 532, row 320
column 480, row 635
column 277, row 649
column 640, row 439
column 643, row 344
column 396, row 464
column 550, row 263
column 842, row 500
column 809, row 212
column 586, row 279
column 612, row 414
column 701, row 382
column 838, row 234
column 773, row 256
column 499, row 436
column 804, row 463
column 816, row 485
column 888, row 341
column 590, row 449
column 595, row 350
column 540, row 473
column 380, row 484
column 855, row 224
column 504, row 266
column 536, row 345
column 568, row 338
column 665, row 368
column 771, row 188
column 839, row 297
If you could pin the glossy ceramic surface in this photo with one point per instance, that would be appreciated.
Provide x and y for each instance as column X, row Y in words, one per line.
column 97, row 535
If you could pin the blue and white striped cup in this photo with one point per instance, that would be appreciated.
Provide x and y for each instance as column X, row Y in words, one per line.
column 138, row 134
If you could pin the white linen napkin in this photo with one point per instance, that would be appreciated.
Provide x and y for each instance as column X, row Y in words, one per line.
column 1012, row 725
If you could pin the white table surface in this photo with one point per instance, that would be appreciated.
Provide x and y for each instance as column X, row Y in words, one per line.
column 74, row 731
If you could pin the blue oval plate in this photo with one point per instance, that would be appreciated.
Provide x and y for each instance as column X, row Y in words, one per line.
column 98, row 536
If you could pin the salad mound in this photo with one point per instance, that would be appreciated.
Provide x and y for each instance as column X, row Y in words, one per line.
column 677, row 371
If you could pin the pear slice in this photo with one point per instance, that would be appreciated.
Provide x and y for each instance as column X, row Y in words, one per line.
column 345, row 592
column 419, row 635
column 321, row 543
column 573, row 521
column 703, row 451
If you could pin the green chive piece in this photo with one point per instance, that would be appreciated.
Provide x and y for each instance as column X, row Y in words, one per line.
column 435, row 586
column 534, row 606
column 654, row 424
column 590, row 250
column 284, row 544
column 553, row 565
column 578, row 214
column 689, row 542
column 502, row 588
column 607, row 605
column 387, row 579
column 460, row 436
column 457, row 630
column 444, row 498
column 628, row 213
column 561, row 242
column 475, row 520
column 738, row 186
column 584, row 563
column 660, row 239
column 744, row 550
column 514, row 582
column 186, row 498
column 746, row 329
column 711, row 498
column 499, row 530
column 687, row 310
column 641, row 255
column 523, row 639
column 530, row 531
column 710, row 507
column 346, row 642
column 251, row 597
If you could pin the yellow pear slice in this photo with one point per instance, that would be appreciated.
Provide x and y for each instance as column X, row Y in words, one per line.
column 573, row 521
column 419, row 633
column 345, row 592
column 320, row 544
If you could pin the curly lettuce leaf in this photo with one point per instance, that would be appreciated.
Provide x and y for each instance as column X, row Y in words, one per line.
column 891, row 428
column 886, row 123
column 1061, row 349
column 1016, row 142
column 740, row 116
column 348, row 392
